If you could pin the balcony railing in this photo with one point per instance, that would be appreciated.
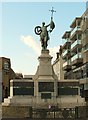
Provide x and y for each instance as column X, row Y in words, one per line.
column 67, row 63
column 75, row 43
column 79, row 55
column 66, row 52
column 66, row 40
column 75, row 29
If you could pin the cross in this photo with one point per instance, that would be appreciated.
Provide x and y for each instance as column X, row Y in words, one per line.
column 52, row 11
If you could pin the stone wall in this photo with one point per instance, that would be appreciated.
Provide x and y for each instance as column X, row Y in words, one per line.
column 26, row 112
column 15, row 111
column 39, row 119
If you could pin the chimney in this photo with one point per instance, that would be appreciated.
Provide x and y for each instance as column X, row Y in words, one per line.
column 57, row 55
column 60, row 50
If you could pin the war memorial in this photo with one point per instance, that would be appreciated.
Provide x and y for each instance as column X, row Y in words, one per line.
column 42, row 95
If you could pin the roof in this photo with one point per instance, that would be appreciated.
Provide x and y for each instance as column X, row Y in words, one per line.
column 74, row 22
column 65, row 34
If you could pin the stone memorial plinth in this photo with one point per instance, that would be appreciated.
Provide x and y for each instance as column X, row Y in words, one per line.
column 44, row 88
column 45, row 77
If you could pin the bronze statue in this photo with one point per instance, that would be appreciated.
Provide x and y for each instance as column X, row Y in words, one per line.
column 44, row 33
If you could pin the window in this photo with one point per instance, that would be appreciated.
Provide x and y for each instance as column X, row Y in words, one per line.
column 79, row 23
column 79, row 36
column 85, row 47
column 82, row 90
column 6, row 66
column 85, row 71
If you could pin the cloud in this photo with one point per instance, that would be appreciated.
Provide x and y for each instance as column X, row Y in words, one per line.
column 29, row 41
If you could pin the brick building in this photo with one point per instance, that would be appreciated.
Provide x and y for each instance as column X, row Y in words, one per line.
column 6, row 73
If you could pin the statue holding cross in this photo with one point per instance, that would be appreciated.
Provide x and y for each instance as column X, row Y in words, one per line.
column 44, row 33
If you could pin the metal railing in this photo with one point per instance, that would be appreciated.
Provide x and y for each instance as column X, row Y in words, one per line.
column 75, row 29
column 79, row 55
column 75, row 43
column 66, row 63
column 66, row 40
column 65, row 52
column 61, row 113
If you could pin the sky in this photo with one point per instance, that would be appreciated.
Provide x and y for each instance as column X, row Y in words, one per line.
column 18, row 40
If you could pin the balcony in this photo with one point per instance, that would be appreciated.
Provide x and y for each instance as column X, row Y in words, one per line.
column 66, row 43
column 76, row 22
column 77, row 59
column 67, row 52
column 75, row 45
column 66, row 40
column 66, row 35
column 67, row 66
column 76, row 30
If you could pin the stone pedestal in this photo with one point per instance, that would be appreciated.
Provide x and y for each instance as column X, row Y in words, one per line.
column 45, row 67
column 45, row 76
column 45, row 85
